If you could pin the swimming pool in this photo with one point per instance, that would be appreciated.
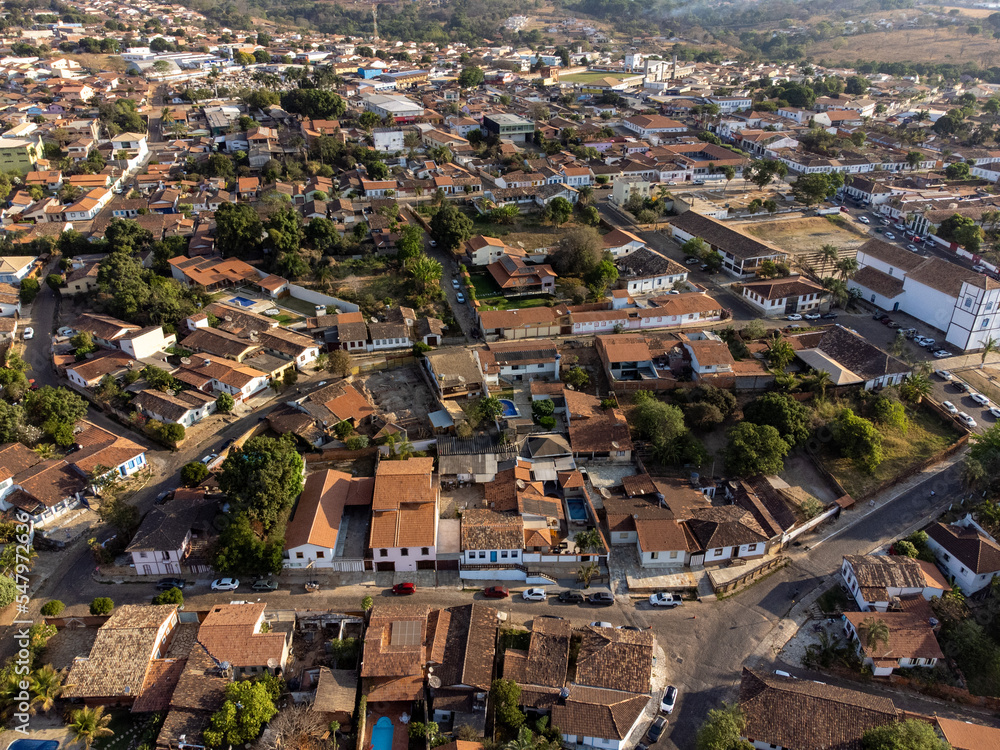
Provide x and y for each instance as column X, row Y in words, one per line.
column 242, row 301
column 509, row 408
column 382, row 734
column 577, row 509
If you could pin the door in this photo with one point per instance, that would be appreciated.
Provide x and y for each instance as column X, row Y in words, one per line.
column 493, row 556
column 895, row 306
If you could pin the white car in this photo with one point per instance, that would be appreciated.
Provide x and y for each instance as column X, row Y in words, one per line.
column 979, row 398
column 912, row 248
column 979, row 268
column 460, row 298
column 864, row 220
column 663, row 599
column 225, row 584
column 601, row 624
column 950, row 407
column 533, row 595
column 812, row 316
column 669, row 700
column 209, row 458
column 29, row 333
column 941, row 354
column 890, row 236
column 455, row 284
column 944, row 374
column 692, row 261
column 969, row 421
column 793, row 316
column 995, row 412
column 925, row 342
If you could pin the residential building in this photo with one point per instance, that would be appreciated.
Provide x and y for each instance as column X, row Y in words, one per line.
column 15, row 268
column 741, row 254
column 653, row 126
column 516, row 361
column 20, row 154
column 509, row 127
column 911, row 642
column 174, row 538
column 455, row 373
column 875, row 581
column 10, row 301
column 969, row 555
column 186, row 408
column 517, row 278
column 235, row 634
column 967, row 735
column 785, row 296
column 596, row 432
column 312, row 532
column 90, row 372
column 404, row 527
column 850, row 359
column 646, row 271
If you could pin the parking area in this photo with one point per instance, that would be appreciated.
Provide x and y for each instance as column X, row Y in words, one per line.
column 969, row 392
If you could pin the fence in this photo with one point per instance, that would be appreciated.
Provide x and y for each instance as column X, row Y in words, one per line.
column 725, row 587
column 317, row 298
column 387, row 362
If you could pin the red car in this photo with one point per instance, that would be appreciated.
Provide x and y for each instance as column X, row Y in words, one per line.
column 496, row 592
column 404, row 588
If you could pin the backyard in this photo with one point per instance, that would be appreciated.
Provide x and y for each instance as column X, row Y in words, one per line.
column 489, row 296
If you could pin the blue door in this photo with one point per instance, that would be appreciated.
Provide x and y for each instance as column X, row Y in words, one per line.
column 493, row 556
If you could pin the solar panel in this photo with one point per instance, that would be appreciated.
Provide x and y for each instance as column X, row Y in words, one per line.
column 406, row 633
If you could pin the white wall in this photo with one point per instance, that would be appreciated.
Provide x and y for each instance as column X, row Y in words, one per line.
column 313, row 556
column 402, row 562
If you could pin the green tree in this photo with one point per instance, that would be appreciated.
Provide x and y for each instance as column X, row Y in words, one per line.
column 816, row 187
column 451, row 227
column 779, row 353
column 247, row 708
column 471, row 77
column 904, row 549
column 225, row 403
column 506, row 696
column 915, row 387
column 88, row 725
column 656, row 420
column 170, row 596
column 102, row 605
column 425, row 271
column 122, row 280
column 958, row 170
column 577, row 377
column 263, row 477
column 49, row 405
column 410, row 243
column 83, row 343
column 29, row 290
column 962, row 230
column 761, row 172
column 858, row 439
column 52, row 608
column 340, row 363
column 46, row 685
column 560, row 209
column 8, row 589
column 910, row 734
column 194, row 473
column 321, row 104
column 238, row 230
column 889, row 412
column 755, row 449
column 722, row 729
column 695, row 248
column 788, row 416
column 239, row 550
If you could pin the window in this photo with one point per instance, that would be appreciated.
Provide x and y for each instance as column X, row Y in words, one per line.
column 142, row 555
column 654, row 555
column 482, row 555
column 673, row 555
column 751, row 547
column 405, row 552
column 503, row 554
column 968, row 302
column 299, row 555
column 718, row 552
column 383, row 553
column 623, row 535
column 425, row 550
column 320, row 554
column 986, row 323
column 166, row 555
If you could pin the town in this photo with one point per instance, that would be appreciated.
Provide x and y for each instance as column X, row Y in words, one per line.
column 561, row 388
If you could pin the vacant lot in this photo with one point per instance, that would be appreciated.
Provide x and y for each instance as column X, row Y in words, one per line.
column 527, row 231
column 805, row 236
column 909, row 45
column 926, row 435
column 591, row 76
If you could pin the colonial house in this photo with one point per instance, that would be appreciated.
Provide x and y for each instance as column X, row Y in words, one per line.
column 911, row 642
column 455, row 373
column 235, row 633
column 173, row 538
column 875, row 581
column 404, row 527
column 515, row 277
column 850, row 359
column 596, row 432
column 784, row 296
column 741, row 253
column 312, row 533
column 187, row 407
column 515, row 361
column 646, row 271
column 969, row 555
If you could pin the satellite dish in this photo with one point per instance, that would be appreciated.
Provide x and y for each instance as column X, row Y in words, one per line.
column 520, row 484
column 228, row 318
column 605, row 492
column 185, row 360
column 614, row 444
column 253, row 335
column 272, row 663
column 374, row 319
column 434, row 681
column 225, row 665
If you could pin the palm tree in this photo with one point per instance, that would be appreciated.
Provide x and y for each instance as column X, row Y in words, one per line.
column 46, row 685
column 989, row 346
column 779, row 353
column 818, row 380
column 913, row 158
column 588, row 540
column 10, row 689
column 730, row 172
column 399, row 446
column 89, row 724
column 847, row 267
column 324, row 275
column 586, row 193
column 837, row 289
column 829, row 254
column 425, row 271
column 587, row 573
column 525, row 740
column 914, row 387
column 876, row 631
column 46, row 451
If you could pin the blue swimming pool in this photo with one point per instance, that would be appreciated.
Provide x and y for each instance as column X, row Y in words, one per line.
column 382, row 734
column 242, row 301
column 509, row 408
column 577, row 509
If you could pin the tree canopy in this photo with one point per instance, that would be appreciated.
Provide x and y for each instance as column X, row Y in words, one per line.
column 788, row 416
column 755, row 449
column 904, row 735
column 321, row 104
column 247, row 708
column 451, row 227
column 238, row 229
column 263, row 478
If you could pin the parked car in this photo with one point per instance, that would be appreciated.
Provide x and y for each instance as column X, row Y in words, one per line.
column 572, row 597
column 265, row 584
column 165, row 584
column 656, row 729
column 960, row 386
column 633, row 628
column 966, row 419
column 879, row 316
column 994, row 412
column 163, row 497
column 864, row 220
column 978, row 268
column 890, row 236
column 886, row 321
column 209, row 458
column 496, row 592
column 941, row 354
column 812, row 316
column 664, row 599
column 949, row 407
column 829, row 316
column 455, row 284
column 979, row 398
column 909, row 332
column 534, row 595
column 401, row 589
column 912, row 248
column 601, row 624
column 461, row 298
column 669, row 700
column 29, row 333
column 601, row 599
column 691, row 261
column 225, row 584
column 944, row 374
column 793, row 316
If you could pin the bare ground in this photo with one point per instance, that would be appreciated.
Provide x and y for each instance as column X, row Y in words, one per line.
column 808, row 235
column 950, row 44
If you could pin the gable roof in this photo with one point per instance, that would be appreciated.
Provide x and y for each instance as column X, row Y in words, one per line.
column 593, row 712
column 615, row 659
column 547, row 658
column 969, row 545
column 724, row 237
column 878, row 573
column 229, row 633
column 725, row 526
column 321, row 505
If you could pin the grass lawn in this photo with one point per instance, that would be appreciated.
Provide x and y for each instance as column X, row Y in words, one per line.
column 300, row 306
column 926, row 435
column 591, row 76
column 488, row 294
column 285, row 320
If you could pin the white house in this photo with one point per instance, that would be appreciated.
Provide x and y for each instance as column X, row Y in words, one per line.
column 784, row 296
column 163, row 543
column 606, row 719
column 312, row 533
column 709, row 354
column 14, row 268
column 969, row 555
column 876, row 580
column 653, row 125
column 646, row 271
column 911, row 643
column 662, row 542
column 404, row 527
column 388, row 140
column 10, row 301
column 515, row 361
column 492, row 539
column 185, row 408
column 618, row 242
